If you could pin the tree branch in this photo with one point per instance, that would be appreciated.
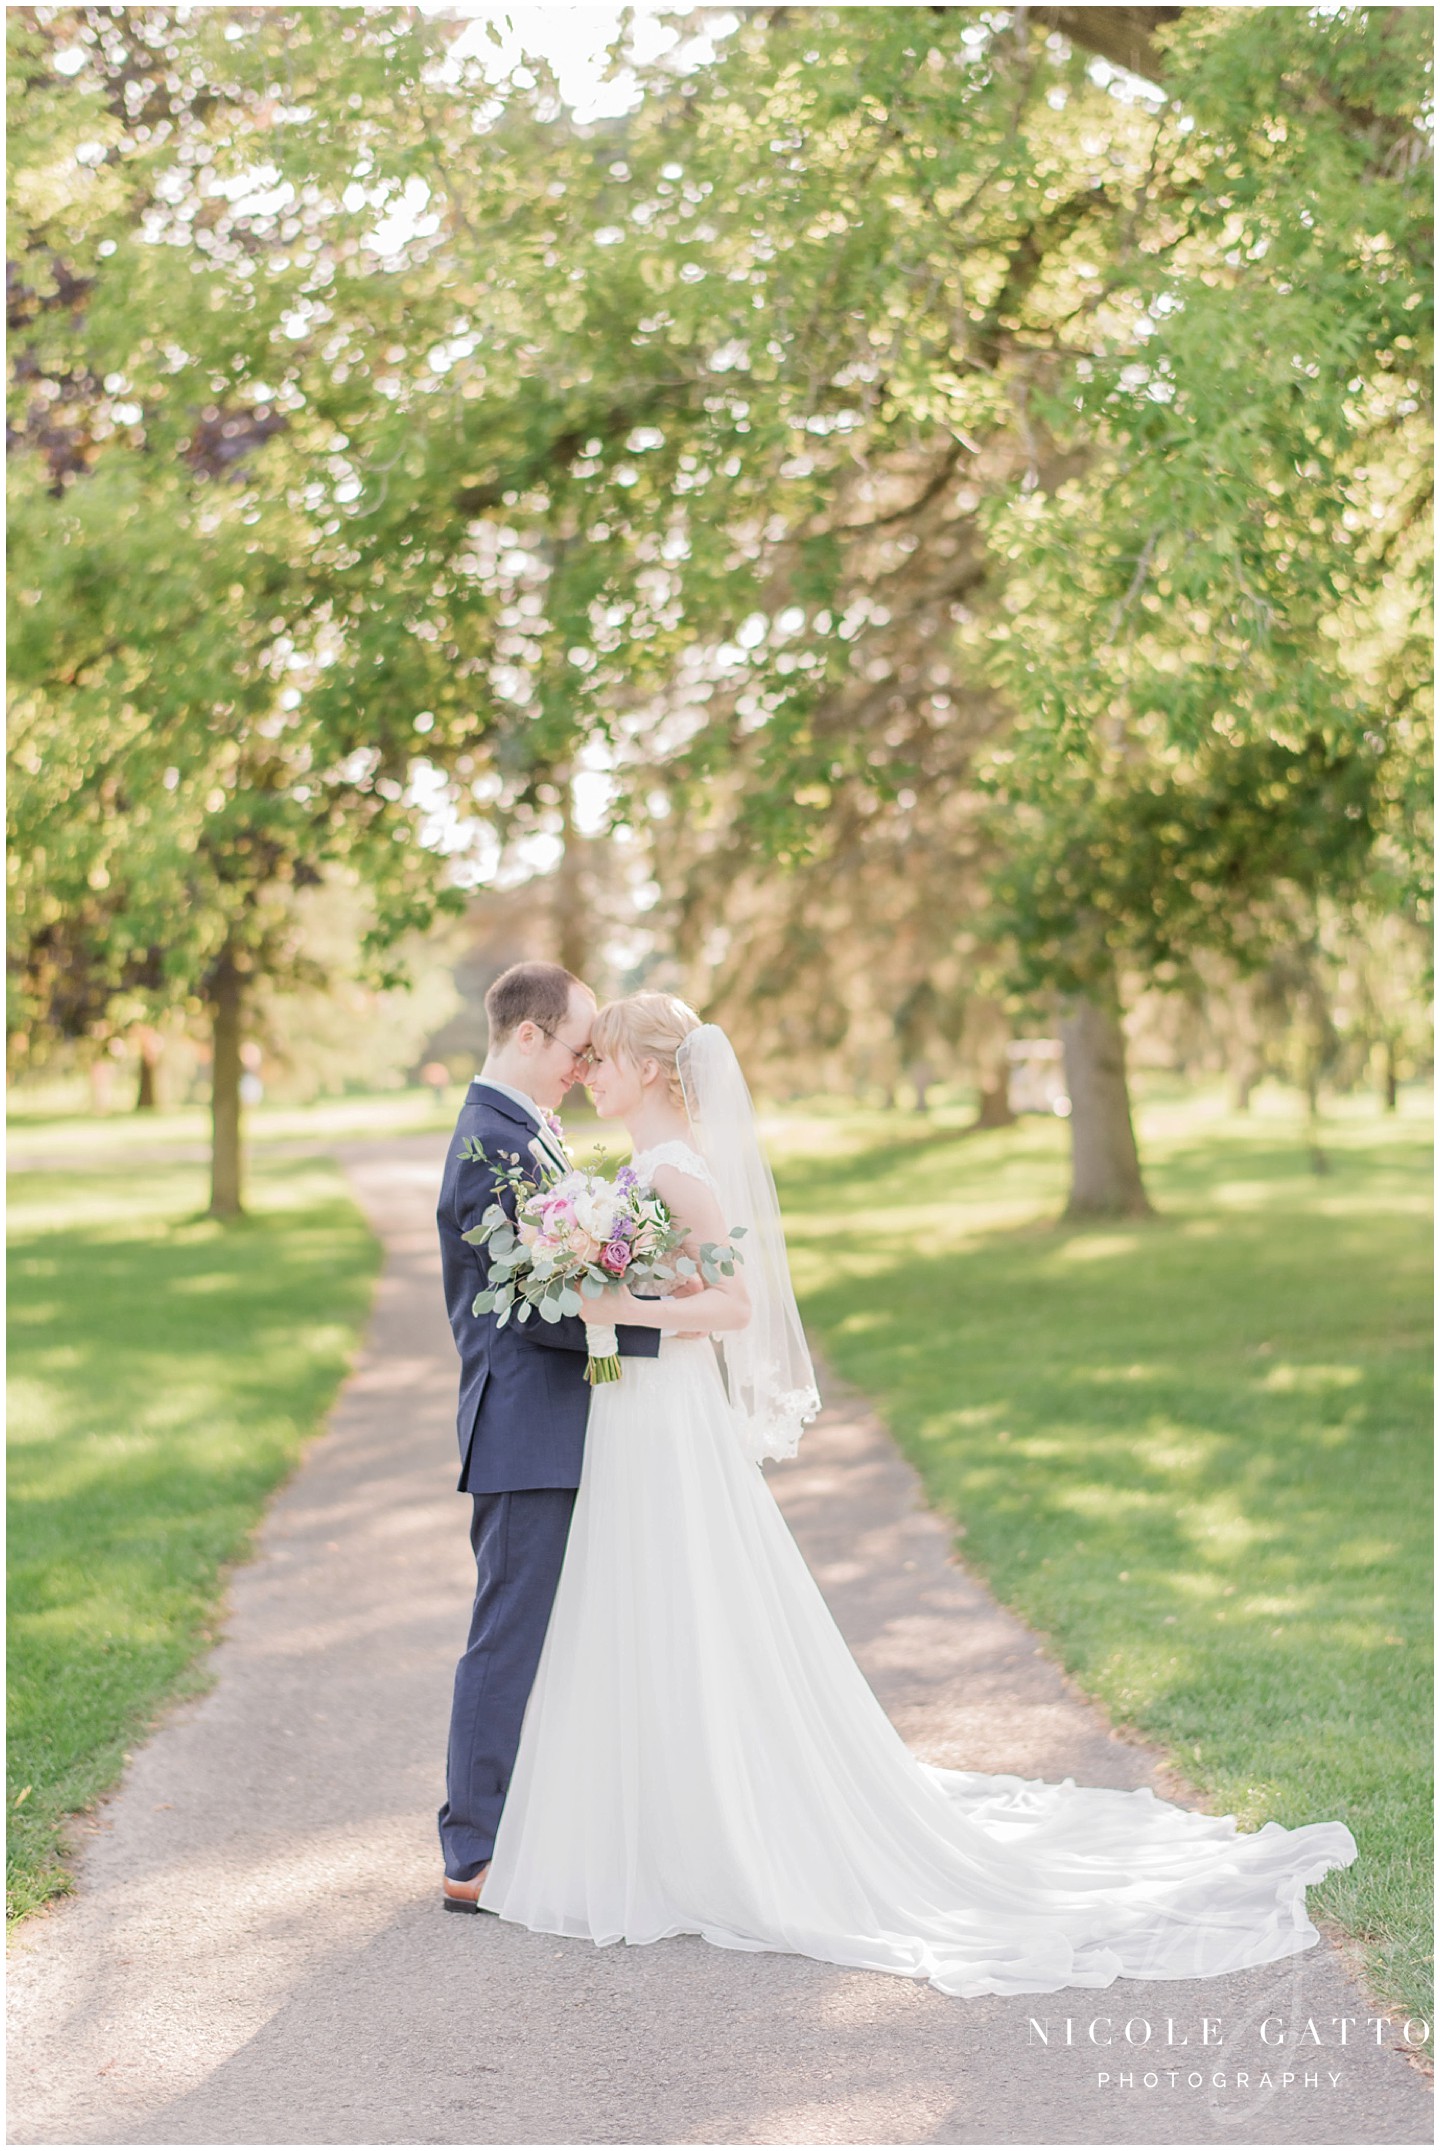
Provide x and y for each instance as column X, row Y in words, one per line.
column 1122, row 35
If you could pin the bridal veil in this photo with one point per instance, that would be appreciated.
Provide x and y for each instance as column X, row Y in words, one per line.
column 768, row 1371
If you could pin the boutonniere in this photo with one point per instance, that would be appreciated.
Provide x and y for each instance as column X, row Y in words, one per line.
column 552, row 1122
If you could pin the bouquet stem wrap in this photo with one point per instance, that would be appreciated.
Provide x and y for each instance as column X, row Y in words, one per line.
column 603, row 1365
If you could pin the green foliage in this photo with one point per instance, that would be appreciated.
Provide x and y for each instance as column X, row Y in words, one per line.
column 1226, row 606
column 193, row 738
column 891, row 398
column 1157, row 863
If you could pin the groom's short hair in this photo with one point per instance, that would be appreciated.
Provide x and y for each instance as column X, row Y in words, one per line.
column 529, row 993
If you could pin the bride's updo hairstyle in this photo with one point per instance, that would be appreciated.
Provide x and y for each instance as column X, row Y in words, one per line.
column 647, row 1027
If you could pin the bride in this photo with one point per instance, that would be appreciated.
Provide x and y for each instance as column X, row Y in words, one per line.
column 701, row 1754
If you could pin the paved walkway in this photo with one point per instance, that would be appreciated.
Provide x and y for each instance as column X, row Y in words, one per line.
column 255, row 1954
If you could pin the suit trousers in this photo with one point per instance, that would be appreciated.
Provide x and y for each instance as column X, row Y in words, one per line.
column 519, row 1544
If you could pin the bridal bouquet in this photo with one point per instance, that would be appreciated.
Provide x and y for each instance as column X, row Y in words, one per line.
column 573, row 1234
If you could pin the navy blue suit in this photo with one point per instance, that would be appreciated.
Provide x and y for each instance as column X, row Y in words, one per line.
column 524, row 1401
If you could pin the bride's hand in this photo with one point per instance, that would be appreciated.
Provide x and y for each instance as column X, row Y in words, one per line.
column 618, row 1304
column 614, row 1304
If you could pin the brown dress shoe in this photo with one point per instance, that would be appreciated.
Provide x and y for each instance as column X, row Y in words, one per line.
column 464, row 1896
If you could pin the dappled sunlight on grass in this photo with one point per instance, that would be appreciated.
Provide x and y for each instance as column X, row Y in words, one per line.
column 1192, row 1451
column 1091, row 1247
column 1311, row 1381
column 37, row 1130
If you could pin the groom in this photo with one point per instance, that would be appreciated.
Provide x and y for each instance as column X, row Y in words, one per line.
column 523, row 1405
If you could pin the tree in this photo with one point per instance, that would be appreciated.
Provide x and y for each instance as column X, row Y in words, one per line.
column 1218, row 647
column 1067, row 373
column 195, row 734
column 744, row 446
column 1177, row 782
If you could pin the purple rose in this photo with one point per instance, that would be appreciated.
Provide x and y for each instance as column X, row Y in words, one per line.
column 615, row 1257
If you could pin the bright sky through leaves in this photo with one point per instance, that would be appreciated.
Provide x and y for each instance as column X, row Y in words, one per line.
column 575, row 41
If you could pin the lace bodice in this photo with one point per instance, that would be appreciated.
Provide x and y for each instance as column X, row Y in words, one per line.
column 676, row 1153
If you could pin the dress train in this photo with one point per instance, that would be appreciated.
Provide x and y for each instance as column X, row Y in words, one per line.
column 701, row 1755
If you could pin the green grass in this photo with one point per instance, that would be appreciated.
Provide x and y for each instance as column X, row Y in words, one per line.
column 1194, row 1453
column 164, row 1373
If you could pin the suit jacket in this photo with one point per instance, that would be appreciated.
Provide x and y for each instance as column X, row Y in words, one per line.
column 524, row 1399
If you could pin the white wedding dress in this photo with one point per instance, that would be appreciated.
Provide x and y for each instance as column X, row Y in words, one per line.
column 701, row 1755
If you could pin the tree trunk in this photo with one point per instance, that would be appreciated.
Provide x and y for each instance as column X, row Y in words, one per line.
column 1319, row 1163
column 226, row 1164
column 1246, row 1043
column 1243, row 1083
column 572, row 925
column 1105, row 1165
column 988, row 1033
column 995, row 1105
column 145, row 1099
column 1317, row 1033
column 1391, row 1080
column 1122, row 35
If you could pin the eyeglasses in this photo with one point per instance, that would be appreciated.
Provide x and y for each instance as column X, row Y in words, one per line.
column 582, row 1054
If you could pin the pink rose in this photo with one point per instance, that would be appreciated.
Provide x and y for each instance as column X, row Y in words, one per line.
column 615, row 1257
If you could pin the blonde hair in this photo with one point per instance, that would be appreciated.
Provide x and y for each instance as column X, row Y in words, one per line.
column 647, row 1026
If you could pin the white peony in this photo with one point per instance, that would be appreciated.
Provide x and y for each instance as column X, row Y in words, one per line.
column 595, row 1210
